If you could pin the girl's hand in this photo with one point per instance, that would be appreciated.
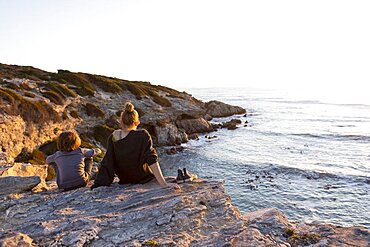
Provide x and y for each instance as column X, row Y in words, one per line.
column 173, row 186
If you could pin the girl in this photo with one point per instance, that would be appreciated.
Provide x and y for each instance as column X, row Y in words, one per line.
column 72, row 163
column 130, row 155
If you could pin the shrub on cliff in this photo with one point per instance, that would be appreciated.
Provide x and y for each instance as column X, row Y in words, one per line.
column 101, row 134
column 83, row 86
column 60, row 89
column 29, row 110
column 159, row 99
column 108, row 84
column 93, row 110
column 54, row 97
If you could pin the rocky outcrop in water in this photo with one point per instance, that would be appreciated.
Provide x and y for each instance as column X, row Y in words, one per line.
column 219, row 109
column 201, row 214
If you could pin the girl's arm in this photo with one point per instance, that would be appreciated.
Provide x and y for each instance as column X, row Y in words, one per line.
column 156, row 169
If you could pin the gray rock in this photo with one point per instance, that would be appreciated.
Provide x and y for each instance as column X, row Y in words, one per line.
column 14, row 184
column 25, row 170
column 201, row 214
column 199, row 125
column 219, row 109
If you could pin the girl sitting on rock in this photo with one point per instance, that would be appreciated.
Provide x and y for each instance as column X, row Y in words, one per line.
column 72, row 164
column 130, row 155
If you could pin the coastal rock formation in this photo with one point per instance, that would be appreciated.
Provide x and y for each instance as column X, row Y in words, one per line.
column 25, row 170
column 220, row 109
column 191, row 126
column 201, row 214
column 36, row 105
column 17, row 184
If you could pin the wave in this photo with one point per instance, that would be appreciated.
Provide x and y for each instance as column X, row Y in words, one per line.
column 276, row 169
column 336, row 137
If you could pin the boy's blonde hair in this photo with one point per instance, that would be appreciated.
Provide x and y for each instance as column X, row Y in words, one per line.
column 129, row 115
column 68, row 141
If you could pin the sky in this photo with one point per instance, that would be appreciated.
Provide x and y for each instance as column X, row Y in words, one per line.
column 316, row 48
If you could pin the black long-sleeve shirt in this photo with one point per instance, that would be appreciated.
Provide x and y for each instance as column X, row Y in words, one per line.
column 129, row 158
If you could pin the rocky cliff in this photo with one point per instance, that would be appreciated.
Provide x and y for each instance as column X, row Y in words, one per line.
column 201, row 214
column 35, row 106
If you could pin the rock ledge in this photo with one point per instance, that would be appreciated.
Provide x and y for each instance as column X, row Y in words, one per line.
column 132, row 215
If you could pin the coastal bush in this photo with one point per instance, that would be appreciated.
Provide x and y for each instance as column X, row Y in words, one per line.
column 150, row 243
column 93, row 110
column 101, row 133
column 296, row 239
column 83, row 86
column 29, row 110
column 108, row 84
column 159, row 99
column 136, row 90
column 23, row 156
column 54, row 97
column 60, row 89
column 29, row 94
column 49, row 147
column 113, row 122
column 74, row 114
column 12, row 86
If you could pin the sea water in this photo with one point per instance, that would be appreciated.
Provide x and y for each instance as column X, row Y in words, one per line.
column 309, row 159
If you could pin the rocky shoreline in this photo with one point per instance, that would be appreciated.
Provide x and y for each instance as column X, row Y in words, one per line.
column 201, row 214
column 35, row 106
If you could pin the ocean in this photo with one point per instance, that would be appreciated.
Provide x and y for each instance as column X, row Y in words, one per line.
column 307, row 158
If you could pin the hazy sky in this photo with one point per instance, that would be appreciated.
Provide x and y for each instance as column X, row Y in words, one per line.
column 315, row 46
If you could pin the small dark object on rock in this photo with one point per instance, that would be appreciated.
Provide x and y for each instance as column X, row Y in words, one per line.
column 246, row 121
column 245, row 115
column 193, row 136
column 174, row 150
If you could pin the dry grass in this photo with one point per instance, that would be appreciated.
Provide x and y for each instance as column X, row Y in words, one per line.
column 29, row 110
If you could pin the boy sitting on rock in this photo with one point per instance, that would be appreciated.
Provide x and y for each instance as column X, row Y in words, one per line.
column 72, row 164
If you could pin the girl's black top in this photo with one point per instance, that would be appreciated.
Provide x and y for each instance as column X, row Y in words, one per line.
column 129, row 158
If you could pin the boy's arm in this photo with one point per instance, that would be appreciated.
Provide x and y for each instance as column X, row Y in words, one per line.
column 50, row 159
column 88, row 153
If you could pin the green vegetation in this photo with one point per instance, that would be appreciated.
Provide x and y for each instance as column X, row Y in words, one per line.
column 136, row 90
column 296, row 239
column 93, row 110
column 74, row 114
column 159, row 99
column 61, row 89
column 29, row 110
column 150, row 243
column 29, row 94
column 83, row 86
column 113, row 122
column 49, row 147
column 101, row 134
column 108, row 84
column 67, row 84
column 54, row 97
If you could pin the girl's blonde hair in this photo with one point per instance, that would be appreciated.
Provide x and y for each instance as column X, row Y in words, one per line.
column 129, row 115
column 68, row 141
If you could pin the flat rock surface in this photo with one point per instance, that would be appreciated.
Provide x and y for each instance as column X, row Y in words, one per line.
column 17, row 184
column 201, row 214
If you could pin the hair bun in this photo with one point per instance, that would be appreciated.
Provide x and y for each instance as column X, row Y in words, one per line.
column 129, row 107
